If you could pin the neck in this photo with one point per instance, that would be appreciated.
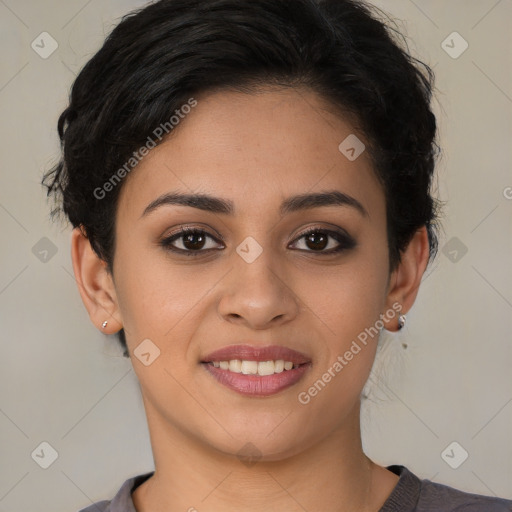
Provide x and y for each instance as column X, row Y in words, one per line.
column 333, row 475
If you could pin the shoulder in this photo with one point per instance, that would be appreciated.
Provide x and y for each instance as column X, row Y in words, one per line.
column 99, row 506
column 122, row 501
column 440, row 497
column 416, row 495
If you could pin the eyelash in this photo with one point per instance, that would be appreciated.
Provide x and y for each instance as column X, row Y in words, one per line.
column 344, row 240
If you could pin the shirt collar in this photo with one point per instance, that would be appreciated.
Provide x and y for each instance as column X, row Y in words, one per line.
column 403, row 498
column 406, row 493
column 122, row 501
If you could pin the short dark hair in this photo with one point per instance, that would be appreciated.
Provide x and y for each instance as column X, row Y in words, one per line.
column 157, row 57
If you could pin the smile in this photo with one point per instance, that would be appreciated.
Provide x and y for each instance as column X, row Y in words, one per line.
column 255, row 367
column 256, row 370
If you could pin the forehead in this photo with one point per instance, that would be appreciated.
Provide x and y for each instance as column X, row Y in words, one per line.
column 254, row 149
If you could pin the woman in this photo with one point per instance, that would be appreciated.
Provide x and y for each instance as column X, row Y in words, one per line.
column 249, row 183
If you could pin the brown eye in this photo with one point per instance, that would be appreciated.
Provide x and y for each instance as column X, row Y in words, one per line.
column 192, row 241
column 318, row 240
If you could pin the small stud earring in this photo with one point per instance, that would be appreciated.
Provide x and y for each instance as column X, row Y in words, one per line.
column 401, row 321
column 104, row 324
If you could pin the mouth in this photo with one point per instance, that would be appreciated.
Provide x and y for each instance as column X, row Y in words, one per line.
column 256, row 371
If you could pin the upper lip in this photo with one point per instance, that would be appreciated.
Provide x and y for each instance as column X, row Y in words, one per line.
column 254, row 353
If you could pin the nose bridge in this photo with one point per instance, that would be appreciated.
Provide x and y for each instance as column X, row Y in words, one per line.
column 258, row 273
column 257, row 292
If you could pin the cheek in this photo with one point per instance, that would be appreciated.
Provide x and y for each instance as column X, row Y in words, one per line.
column 349, row 301
column 349, row 312
column 155, row 295
column 350, row 297
column 163, row 298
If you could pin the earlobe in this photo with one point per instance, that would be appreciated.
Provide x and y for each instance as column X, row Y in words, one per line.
column 406, row 278
column 95, row 284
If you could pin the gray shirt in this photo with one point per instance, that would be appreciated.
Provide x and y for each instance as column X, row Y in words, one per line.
column 409, row 495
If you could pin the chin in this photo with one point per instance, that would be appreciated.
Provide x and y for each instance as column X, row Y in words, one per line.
column 256, row 445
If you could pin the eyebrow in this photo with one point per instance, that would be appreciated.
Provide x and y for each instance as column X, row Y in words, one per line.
column 292, row 204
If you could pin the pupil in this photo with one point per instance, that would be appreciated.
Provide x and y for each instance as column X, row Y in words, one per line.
column 189, row 241
column 313, row 237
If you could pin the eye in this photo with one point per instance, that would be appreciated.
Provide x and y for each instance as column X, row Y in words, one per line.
column 192, row 240
column 317, row 240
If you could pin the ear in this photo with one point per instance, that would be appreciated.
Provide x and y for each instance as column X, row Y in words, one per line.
column 95, row 284
column 405, row 280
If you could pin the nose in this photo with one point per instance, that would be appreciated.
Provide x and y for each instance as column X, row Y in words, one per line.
column 258, row 294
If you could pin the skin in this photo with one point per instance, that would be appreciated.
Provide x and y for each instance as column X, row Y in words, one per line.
column 255, row 150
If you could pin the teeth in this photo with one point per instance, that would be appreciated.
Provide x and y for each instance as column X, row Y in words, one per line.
column 235, row 365
column 249, row 367
column 254, row 367
column 266, row 368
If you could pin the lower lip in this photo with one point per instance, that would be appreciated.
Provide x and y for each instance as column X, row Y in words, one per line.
column 256, row 385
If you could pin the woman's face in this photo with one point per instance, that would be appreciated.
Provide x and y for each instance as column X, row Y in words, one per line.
column 252, row 277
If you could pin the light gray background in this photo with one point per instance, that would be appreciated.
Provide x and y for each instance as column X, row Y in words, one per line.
column 65, row 383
